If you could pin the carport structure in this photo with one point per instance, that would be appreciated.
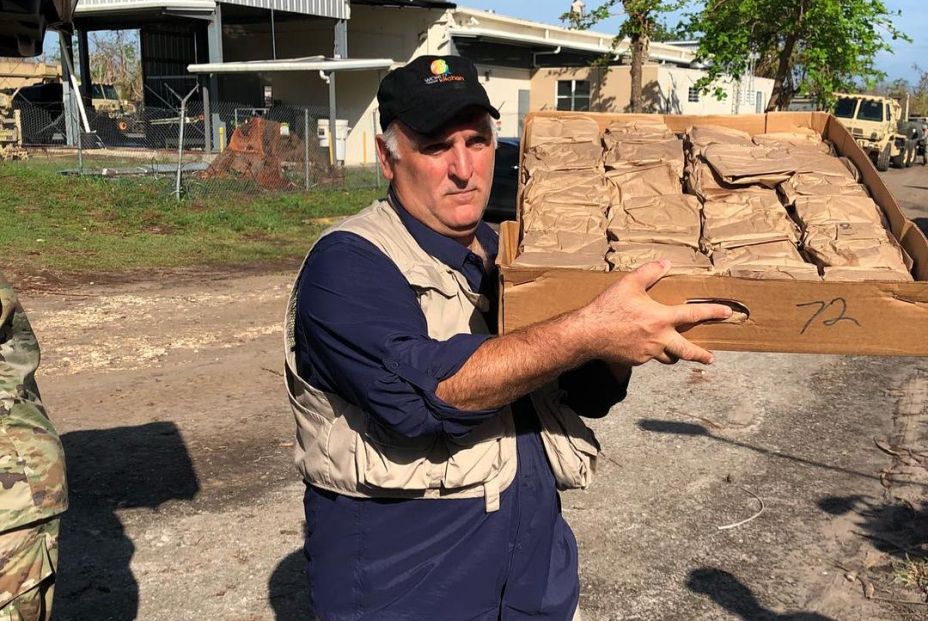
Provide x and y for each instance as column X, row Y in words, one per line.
column 178, row 33
column 326, row 67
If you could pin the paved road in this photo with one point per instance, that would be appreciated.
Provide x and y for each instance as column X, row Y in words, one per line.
column 186, row 506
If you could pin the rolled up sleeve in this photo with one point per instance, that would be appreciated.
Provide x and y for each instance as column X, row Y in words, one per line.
column 362, row 335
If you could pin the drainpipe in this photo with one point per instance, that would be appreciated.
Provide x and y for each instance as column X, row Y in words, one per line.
column 535, row 55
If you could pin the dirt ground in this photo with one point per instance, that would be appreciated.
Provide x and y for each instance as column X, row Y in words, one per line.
column 185, row 504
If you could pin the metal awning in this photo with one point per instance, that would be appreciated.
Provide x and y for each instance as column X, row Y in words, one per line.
column 309, row 63
column 337, row 9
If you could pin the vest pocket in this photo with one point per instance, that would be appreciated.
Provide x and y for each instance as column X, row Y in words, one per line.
column 387, row 461
column 477, row 457
column 570, row 445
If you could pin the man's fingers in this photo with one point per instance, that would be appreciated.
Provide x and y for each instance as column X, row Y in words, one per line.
column 684, row 350
column 689, row 314
column 648, row 274
column 665, row 358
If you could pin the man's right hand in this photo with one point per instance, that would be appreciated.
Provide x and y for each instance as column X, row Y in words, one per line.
column 624, row 325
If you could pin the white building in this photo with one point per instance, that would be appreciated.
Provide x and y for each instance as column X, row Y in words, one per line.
column 320, row 51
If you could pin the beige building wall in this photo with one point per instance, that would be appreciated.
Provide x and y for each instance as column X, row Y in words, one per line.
column 373, row 32
column 665, row 90
column 503, row 85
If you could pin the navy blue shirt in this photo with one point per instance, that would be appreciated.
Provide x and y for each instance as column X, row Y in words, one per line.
column 361, row 334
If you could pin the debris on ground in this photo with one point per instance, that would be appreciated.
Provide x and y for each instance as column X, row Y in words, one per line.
column 263, row 150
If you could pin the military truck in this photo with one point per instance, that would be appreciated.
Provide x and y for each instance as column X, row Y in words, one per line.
column 11, row 130
column 105, row 100
column 873, row 122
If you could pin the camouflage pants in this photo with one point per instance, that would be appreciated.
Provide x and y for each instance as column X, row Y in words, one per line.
column 28, row 563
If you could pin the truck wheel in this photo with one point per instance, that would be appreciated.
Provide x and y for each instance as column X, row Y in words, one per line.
column 882, row 161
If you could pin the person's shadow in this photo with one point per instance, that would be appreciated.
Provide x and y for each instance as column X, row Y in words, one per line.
column 731, row 594
column 288, row 589
column 110, row 469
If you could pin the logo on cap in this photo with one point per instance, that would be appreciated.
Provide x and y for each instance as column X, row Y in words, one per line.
column 441, row 72
column 440, row 67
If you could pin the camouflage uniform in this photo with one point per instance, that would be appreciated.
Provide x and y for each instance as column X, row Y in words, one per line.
column 33, row 490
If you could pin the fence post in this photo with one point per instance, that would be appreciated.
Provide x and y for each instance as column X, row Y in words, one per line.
column 180, row 138
column 306, row 147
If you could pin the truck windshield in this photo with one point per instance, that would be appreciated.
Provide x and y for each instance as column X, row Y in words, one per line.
column 104, row 91
column 845, row 108
column 870, row 110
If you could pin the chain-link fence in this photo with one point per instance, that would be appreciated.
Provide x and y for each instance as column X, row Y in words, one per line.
column 281, row 148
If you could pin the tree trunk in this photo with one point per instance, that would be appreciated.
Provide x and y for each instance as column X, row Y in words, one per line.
column 782, row 85
column 639, row 46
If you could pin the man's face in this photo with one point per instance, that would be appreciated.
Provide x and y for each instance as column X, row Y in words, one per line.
column 443, row 180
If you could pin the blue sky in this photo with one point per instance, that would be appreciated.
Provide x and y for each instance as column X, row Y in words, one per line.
column 913, row 22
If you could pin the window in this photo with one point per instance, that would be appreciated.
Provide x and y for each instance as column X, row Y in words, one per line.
column 573, row 95
column 759, row 102
column 845, row 108
column 692, row 95
column 870, row 110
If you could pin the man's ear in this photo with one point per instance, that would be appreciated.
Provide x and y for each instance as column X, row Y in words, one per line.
column 384, row 158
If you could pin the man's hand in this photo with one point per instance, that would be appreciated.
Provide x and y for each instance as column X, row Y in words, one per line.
column 625, row 326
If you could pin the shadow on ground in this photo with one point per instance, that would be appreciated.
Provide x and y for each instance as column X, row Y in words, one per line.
column 288, row 589
column 731, row 594
column 898, row 529
column 111, row 469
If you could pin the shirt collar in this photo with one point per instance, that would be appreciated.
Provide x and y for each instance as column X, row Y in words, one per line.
column 449, row 251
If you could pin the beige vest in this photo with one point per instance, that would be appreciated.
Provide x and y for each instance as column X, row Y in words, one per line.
column 341, row 450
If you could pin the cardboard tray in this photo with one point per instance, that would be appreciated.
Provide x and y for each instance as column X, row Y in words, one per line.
column 868, row 318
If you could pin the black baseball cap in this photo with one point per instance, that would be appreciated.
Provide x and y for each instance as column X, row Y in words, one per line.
column 430, row 91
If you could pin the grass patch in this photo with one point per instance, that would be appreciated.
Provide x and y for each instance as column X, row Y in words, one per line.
column 81, row 224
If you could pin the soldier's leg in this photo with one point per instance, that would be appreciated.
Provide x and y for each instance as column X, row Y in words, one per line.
column 28, row 563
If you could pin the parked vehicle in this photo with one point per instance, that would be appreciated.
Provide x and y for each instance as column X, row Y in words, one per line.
column 873, row 122
column 502, row 203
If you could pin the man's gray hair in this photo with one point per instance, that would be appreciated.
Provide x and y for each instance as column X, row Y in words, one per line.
column 391, row 134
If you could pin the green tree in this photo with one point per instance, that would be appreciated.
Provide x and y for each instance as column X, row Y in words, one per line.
column 115, row 58
column 812, row 47
column 640, row 27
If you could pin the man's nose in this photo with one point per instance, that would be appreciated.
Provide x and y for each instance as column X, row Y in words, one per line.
column 461, row 166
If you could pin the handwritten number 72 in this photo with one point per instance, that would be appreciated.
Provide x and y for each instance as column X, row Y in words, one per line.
column 821, row 308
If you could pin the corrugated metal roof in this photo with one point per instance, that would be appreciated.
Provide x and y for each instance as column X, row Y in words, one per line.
column 337, row 9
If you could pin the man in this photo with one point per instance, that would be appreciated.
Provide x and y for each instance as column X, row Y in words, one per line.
column 33, row 491
column 433, row 450
column 911, row 143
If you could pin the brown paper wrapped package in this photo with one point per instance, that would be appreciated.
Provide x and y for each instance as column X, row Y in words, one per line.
column 814, row 184
column 817, row 210
column 572, row 218
column 575, row 186
column 628, row 154
column 563, row 156
column 803, row 138
column 553, row 259
column 750, row 165
column 772, row 261
column 639, row 130
column 822, row 164
column 573, row 129
column 565, row 241
column 701, row 137
column 627, row 256
column 654, row 180
column 563, row 249
column 746, row 218
column 855, row 245
column 668, row 219
column 703, row 181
